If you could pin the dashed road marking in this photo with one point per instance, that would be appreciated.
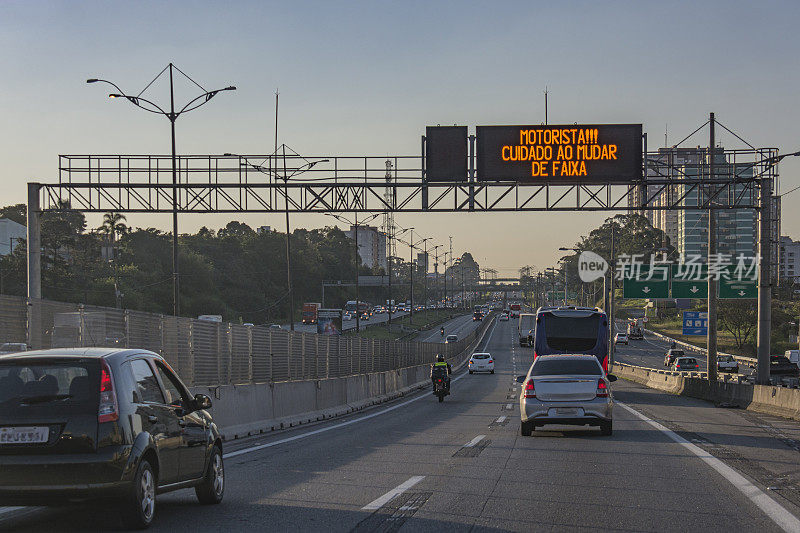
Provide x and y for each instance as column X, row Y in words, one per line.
column 501, row 419
column 376, row 504
column 474, row 441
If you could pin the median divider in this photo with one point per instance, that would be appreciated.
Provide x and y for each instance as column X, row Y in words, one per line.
column 768, row 399
column 255, row 408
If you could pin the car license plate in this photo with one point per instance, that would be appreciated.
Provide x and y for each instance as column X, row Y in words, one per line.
column 24, row 435
column 567, row 411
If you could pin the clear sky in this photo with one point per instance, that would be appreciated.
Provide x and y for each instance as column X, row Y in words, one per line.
column 365, row 78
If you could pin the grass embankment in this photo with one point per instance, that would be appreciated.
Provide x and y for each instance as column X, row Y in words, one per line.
column 403, row 326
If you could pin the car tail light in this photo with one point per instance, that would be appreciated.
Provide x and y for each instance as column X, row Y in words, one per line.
column 602, row 389
column 530, row 392
column 491, row 361
column 108, row 410
column 439, row 380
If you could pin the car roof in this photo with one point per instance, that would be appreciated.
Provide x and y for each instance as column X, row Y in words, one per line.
column 76, row 353
column 566, row 356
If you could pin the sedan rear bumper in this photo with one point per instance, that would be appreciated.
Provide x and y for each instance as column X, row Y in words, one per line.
column 594, row 411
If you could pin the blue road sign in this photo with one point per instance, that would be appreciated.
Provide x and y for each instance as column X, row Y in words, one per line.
column 695, row 323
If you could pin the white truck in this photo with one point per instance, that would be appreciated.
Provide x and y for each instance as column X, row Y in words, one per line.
column 635, row 329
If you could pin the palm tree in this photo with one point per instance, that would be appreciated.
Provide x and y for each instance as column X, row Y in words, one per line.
column 113, row 225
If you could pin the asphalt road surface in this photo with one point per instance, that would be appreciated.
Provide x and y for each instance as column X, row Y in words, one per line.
column 672, row 464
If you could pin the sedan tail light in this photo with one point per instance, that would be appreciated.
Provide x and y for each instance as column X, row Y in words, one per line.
column 530, row 392
column 108, row 410
column 602, row 388
column 491, row 361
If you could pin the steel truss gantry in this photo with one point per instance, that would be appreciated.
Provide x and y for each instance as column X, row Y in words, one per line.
column 232, row 184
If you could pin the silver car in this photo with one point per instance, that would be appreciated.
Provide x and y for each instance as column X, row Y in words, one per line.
column 566, row 389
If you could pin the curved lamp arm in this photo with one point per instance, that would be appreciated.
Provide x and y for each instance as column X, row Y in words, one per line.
column 205, row 97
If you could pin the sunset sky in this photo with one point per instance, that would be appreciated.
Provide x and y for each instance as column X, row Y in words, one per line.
column 365, row 78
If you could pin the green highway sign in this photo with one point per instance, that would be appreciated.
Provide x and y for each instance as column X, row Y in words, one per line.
column 735, row 289
column 632, row 288
column 732, row 289
column 689, row 281
column 689, row 289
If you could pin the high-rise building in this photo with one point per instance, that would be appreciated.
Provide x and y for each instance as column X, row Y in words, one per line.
column 789, row 260
column 371, row 245
column 736, row 228
column 422, row 261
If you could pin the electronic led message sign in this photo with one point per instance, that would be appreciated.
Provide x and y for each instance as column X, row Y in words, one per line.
column 446, row 153
column 596, row 153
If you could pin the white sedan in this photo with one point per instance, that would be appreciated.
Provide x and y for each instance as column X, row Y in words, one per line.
column 481, row 362
column 503, row 318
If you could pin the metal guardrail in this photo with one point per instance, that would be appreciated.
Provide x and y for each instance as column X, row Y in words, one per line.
column 211, row 353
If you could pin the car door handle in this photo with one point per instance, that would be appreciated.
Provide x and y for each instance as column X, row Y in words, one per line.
column 152, row 419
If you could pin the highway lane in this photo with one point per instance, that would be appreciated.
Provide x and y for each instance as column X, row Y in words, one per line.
column 348, row 324
column 420, row 465
column 461, row 326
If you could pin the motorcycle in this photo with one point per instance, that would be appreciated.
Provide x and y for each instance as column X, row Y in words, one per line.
column 440, row 389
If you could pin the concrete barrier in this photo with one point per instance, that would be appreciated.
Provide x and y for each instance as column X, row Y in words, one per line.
column 776, row 401
column 243, row 410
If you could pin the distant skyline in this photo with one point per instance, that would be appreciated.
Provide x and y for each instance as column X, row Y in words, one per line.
column 365, row 78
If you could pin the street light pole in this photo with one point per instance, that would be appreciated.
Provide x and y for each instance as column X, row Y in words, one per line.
column 411, row 266
column 172, row 116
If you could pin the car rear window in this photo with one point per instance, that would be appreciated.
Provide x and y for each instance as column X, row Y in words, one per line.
column 566, row 367
column 57, row 384
column 725, row 359
column 676, row 352
column 480, row 356
column 688, row 361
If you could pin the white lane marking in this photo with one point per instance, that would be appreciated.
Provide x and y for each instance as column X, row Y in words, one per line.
column 775, row 511
column 501, row 420
column 474, row 441
column 6, row 510
column 399, row 489
column 329, row 428
column 508, row 406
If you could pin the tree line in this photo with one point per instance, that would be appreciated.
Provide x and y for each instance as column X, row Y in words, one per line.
column 233, row 271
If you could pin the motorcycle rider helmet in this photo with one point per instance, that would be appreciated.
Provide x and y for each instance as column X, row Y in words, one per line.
column 439, row 358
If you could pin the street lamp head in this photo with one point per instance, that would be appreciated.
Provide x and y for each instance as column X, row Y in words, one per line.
column 92, row 80
column 229, row 88
column 115, row 95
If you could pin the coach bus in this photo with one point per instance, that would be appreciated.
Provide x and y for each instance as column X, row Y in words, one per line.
column 571, row 330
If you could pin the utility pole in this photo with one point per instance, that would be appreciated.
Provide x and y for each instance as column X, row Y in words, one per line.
column 764, row 281
column 611, row 324
column 390, row 228
column 358, row 264
column 411, row 268
column 451, row 264
column 711, row 339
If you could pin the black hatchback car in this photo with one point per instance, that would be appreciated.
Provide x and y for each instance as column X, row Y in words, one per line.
column 86, row 423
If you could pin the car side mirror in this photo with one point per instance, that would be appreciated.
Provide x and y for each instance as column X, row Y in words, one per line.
column 611, row 377
column 521, row 379
column 201, row 401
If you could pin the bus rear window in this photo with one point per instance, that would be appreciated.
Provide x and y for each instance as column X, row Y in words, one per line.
column 571, row 334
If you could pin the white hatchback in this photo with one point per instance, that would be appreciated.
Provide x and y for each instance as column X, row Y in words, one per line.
column 481, row 362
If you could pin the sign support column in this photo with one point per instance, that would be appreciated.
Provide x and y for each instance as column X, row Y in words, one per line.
column 764, row 282
column 711, row 339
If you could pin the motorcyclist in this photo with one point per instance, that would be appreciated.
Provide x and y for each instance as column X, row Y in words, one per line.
column 441, row 369
column 673, row 345
column 441, row 331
